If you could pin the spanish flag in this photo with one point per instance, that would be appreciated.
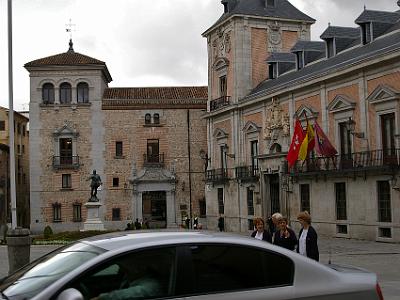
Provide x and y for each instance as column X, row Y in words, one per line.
column 308, row 143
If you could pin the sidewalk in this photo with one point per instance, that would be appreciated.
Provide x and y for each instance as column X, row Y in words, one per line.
column 381, row 258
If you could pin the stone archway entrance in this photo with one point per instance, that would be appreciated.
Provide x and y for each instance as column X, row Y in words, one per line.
column 154, row 208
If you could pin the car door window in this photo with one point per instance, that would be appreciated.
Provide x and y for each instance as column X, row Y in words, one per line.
column 145, row 274
column 221, row 268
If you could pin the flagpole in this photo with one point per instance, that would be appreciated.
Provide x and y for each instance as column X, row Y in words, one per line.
column 11, row 121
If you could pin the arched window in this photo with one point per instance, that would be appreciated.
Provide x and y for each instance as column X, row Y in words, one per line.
column 82, row 92
column 147, row 119
column 48, row 93
column 276, row 148
column 65, row 93
column 156, row 119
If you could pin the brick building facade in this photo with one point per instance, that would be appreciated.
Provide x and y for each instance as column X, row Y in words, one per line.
column 263, row 73
column 143, row 142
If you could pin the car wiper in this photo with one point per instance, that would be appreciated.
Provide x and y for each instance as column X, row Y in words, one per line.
column 4, row 296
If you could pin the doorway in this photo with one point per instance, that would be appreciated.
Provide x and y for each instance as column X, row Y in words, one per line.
column 154, row 208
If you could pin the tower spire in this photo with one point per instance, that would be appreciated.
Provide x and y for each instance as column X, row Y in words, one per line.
column 69, row 29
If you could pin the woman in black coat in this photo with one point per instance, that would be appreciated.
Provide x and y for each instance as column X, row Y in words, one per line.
column 285, row 236
column 308, row 239
column 261, row 233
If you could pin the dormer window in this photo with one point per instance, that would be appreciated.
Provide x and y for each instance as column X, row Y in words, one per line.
column 330, row 48
column 272, row 70
column 147, row 119
column 270, row 3
column 366, row 33
column 156, row 118
column 300, row 60
column 225, row 4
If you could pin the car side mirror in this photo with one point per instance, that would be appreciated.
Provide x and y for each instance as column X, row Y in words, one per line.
column 70, row 294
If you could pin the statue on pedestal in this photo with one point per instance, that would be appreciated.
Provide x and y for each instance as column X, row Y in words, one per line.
column 94, row 184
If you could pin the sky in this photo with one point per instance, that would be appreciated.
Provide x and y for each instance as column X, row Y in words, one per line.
column 143, row 42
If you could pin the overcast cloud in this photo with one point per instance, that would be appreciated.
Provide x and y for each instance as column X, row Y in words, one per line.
column 143, row 42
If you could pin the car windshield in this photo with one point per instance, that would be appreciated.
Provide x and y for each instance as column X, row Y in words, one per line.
column 34, row 277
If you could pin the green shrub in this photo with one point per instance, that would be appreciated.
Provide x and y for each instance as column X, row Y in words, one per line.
column 47, row 232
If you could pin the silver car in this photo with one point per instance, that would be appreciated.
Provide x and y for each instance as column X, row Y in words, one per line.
column 183, row 264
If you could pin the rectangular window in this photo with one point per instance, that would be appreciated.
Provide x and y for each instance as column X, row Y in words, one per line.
column 250, row 224
column 56, row 212
column 153, row 151
column 222, row 86
column 223, row 150
column 250, row 202
column 341, row 229
column 202, row 206
column 2, row 125
column 18, row 149
column 341, row 206
column 118, row 149
column 305, row 197
column 345, row 140
column 23, row 149
column 66, row 181
column 220, row 200
column 385, row 232
column 65, row 151
column 387, row 133
column 115, row 182
column 116, row 214
column 384, row 206
column 77, row 212
column 23, row 130
column 254, row 156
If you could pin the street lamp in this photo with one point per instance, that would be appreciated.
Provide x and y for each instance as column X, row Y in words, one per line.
column 207, row 160
column 351, row 126
column 225, row 149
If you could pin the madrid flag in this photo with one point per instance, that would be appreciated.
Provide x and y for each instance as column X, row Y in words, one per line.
column 322, row 146
column 297, row 140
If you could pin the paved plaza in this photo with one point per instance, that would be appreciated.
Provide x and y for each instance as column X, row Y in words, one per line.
column 381, row 258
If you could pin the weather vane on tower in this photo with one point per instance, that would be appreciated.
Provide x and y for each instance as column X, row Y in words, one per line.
column 70, row 28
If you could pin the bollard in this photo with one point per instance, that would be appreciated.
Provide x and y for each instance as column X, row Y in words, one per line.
column 19, row 248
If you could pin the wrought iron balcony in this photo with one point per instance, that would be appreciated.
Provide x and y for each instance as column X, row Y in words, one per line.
column 247, row 173
column 156, row 160
column 357, row 161
column 217, row 175
column 66, row 162
column 219, row 102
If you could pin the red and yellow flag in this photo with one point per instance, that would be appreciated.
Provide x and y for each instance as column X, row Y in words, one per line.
column 297, row 140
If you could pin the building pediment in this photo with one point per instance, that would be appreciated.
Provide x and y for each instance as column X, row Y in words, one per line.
column 251, row 127
column 306, row 111
column 341, row 103
column 221, row 63
column 155, row 175
column 65, row 130
column 383, row 93
column 220, row 134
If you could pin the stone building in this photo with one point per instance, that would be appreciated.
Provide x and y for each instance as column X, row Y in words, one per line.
column 21, row 141
column 263, row 73
column 145, row 144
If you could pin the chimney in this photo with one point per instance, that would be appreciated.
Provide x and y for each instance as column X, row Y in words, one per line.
column 270, row 3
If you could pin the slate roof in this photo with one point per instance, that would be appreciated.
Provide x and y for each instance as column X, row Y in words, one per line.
column 69, row 58
column 283, row 10
column 375, row 49
column 157, row 93
column 308, row 46
column 337, row 31
column 282, row 57
column 378, row 16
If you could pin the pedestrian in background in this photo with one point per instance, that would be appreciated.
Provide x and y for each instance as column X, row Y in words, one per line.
column 273, row 223
column 285, row 236
column 187, row 222
column 221, row 223
column 138, row 225
column 308, row 238
column 195, row 222
column 261, row 233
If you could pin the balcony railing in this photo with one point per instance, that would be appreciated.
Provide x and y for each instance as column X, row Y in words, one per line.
column 358, row 161
column 220, row 102
column 247, row 172
column 66, row 162
column 153, row 159
column 217, row 175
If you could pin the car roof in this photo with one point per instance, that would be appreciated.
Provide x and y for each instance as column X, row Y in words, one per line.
column 136, row 239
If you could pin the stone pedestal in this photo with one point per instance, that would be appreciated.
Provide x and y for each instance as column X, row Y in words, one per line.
column 19, row 248
column 93, row 221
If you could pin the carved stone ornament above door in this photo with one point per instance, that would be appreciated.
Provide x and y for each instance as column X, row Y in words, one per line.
column 277, row 122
